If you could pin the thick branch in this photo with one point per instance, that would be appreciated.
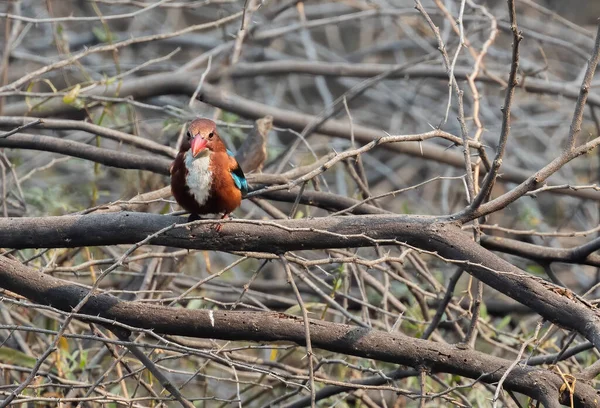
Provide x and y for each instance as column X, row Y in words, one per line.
column 268, row 326
column 428, row 233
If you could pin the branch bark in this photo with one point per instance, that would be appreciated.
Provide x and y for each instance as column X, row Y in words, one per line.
column 268, row 326
column 436, row 235
column 66, row 124
column 100, row 155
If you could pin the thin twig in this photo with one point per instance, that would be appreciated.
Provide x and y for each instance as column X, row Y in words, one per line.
column 490, row 179
column 309, row 352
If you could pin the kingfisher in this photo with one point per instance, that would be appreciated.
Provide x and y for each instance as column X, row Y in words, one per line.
column 205, row 176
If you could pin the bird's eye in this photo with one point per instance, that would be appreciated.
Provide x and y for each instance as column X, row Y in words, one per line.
column 189, row 134
column 210, row 135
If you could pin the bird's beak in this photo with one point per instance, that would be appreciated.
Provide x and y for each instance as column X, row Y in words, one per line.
column 198, row 144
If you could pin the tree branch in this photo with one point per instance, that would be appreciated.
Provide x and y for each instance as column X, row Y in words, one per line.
column 268, row 326
column 100, row 155
column 440, row 237
column 66, row 124
column 580, row 254
column 168, row 84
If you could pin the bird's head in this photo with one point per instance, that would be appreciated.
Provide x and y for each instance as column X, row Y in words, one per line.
column 202, row 138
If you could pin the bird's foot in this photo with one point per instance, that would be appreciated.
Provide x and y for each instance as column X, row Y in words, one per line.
column 219, row 226
column 193, row 217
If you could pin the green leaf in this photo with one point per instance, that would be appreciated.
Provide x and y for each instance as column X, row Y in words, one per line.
column 337, row 283
column 195, row 304
column 536, row 269
column 311, row 307
column 83, row 359
column 100, row 34
column 503, row 323
column 15, row 357
column 406, row 208
column 166, row 209
column 483, row 311
column 229, row 117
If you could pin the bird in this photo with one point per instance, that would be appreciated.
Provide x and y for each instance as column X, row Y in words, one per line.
column 205, row 176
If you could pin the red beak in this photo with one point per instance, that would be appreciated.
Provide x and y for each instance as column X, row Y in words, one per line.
column 198, row 144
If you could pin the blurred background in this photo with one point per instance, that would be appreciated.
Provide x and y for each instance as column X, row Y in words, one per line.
column 388, row 75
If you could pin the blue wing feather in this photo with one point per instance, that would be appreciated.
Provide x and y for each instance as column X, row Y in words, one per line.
column 238, row 177
column 240, row 181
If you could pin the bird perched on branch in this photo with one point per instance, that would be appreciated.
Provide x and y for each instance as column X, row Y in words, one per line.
column 205, row 177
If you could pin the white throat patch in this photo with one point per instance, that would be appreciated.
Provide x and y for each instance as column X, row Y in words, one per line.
column 199, row 177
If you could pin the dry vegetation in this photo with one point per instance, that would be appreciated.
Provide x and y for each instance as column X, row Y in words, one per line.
column 422, row 228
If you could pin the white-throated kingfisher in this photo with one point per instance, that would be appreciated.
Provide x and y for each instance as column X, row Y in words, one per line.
column 205, row 177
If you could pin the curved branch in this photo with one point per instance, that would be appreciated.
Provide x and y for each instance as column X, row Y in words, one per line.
column 531, row 183
column 108, row 133
column 432, row 234
column 332, row 390
column 367, row 70
column 100, row 155
column 184, row 83
column 268, row 326
column 319, row 199
column 580, row 254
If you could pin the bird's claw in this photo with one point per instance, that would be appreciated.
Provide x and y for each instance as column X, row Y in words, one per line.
column 218, row 227
column 193, row 217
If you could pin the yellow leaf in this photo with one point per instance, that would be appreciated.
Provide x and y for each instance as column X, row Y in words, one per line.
column 311, row 307
column 63, row 344
column 30, row 87
column 72, row 95
column 50, row 84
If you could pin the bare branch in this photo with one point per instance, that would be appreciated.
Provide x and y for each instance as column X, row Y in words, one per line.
column 233, row 325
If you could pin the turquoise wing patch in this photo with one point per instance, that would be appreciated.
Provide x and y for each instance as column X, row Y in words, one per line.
column 240, row 180
column 238, row 177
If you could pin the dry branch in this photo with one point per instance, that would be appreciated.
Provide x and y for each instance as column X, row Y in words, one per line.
column 184, row 83
column 95, row 154
column 378, row 285
column 266, row 326
column 427, row 233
